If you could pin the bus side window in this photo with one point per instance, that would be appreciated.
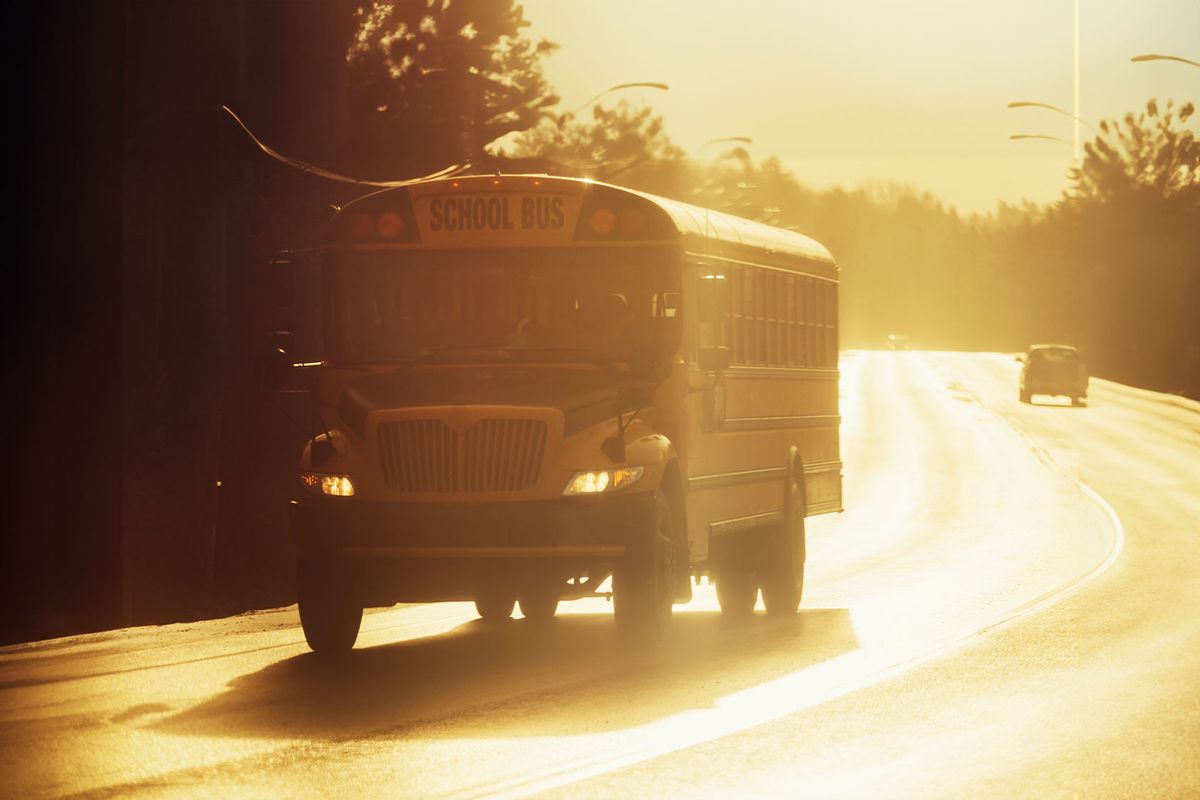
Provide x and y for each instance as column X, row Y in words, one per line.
column 774, row 351
column 818, row 322
column 832, row 321
column 811, row 320
column 738, row 317
column 758, row 313
column 789, row 320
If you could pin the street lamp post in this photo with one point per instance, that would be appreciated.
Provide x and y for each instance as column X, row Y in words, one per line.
column 1018, row 136
column 1075, row 151
column 565, row 116
column 1075, row 146
column 620, row 86
column 722, row 139
column 707, row 183
column 1032, row 104
column 1157, row 57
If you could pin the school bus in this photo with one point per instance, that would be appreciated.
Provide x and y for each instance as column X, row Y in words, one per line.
column 535, row 389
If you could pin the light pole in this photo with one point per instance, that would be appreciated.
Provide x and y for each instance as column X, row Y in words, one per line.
column 1157, row 57
column 708, row 183
column 1075, row 146
column 722, row 139
column 1032, row 104
column 567, row 115
column 1018, row 136
column 618, row 87
column 1075, row 151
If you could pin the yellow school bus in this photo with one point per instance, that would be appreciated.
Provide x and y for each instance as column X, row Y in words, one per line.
column 535, row 389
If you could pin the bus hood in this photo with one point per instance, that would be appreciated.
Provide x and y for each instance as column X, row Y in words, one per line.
column 585, row 395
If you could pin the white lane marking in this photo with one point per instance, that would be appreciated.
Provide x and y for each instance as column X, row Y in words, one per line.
column 770, row 701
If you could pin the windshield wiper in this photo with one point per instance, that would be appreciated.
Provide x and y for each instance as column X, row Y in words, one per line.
column 587, row 353
column 430, row 352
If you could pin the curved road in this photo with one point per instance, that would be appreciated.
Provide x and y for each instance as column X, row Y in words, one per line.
column 1008, row 608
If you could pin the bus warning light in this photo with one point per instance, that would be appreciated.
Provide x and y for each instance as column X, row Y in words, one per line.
column 603, row 221
column 390, row 224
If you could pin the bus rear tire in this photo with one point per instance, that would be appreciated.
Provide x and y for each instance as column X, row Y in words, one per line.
column 644, row 581
column 329, row 615
column 737, row 593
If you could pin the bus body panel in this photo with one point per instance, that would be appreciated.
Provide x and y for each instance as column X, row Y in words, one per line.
column 425, row 523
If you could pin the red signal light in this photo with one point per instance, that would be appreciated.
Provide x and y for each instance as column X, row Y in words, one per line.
column 389, row 224
column 603, row 221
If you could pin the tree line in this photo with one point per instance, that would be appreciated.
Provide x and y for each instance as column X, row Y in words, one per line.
column 1113, row 266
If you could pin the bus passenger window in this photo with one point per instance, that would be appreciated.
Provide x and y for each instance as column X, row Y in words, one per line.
column 769, row 315
column 751, row 325
column 831, row 318
column 760, row 317
column 776, row 314
column 737, row 354
column 814, row 321
column 789, row 315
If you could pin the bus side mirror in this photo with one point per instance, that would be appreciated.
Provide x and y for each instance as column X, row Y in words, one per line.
column 649, row 364
column 295, row 292
column 713, row 359
column 273, row 370
column 713, row 298
column 632, row 397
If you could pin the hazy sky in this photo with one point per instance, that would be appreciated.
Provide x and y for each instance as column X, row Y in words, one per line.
column 910, row 90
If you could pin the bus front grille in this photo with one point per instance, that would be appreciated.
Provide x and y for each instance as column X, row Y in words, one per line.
column 493, row 455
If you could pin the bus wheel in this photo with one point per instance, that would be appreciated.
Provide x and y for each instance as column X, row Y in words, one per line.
column 736, row 593
column 329, row 616
column 783, row 571
column 494, row 606
column 644, row 580
column 539, row 604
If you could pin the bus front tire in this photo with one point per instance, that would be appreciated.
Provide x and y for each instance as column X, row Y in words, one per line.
column 329, row 616
column 644, row 582
column 494, row 606
column 783, row 570
column 540, row 604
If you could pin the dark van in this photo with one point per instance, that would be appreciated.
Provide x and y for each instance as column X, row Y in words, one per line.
column 1053, row 369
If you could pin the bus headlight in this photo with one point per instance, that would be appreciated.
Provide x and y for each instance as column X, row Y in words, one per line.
column 605, row 480
column 335, row 485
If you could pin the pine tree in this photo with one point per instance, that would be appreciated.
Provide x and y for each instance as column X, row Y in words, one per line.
column 433, row 82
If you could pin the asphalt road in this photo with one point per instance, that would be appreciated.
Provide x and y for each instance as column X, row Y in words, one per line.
column 1010, row 607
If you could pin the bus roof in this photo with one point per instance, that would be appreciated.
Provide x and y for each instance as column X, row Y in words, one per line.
column 699, row 230
column 696, row 224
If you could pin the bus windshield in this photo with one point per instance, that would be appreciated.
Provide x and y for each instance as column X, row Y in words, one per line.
column 494, row 305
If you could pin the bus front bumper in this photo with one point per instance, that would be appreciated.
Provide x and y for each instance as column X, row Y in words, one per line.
column 383, row 553
column 562, row 528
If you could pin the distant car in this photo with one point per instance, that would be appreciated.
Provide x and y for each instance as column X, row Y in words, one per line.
column 898, row 341
column 1053, row 369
